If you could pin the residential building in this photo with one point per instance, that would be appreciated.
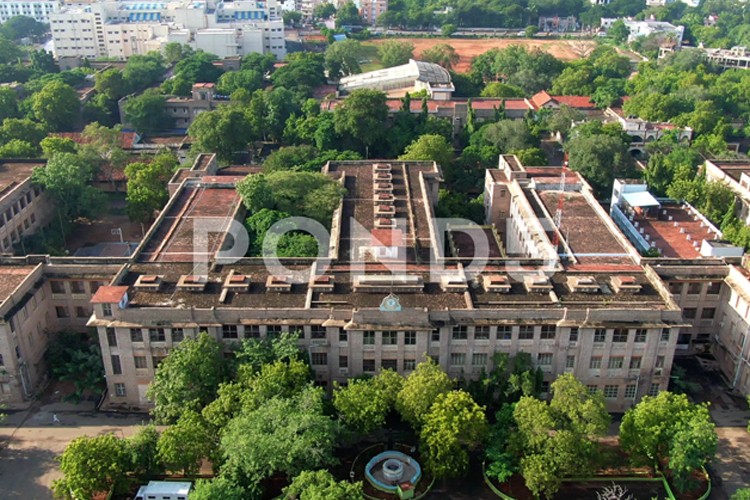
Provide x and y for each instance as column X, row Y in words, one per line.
column 389, row 290
column 650, row 27
column 735, row 174
column 184, row 109
column 410, row 77
column 557, row 24
column 642, row 131
column 39, row 10
column 371, row 10
column 120, row 29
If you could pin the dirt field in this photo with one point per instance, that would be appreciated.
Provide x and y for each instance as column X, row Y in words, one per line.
column 469, row 48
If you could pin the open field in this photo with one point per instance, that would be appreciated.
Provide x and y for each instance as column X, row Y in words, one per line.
column 469, row 48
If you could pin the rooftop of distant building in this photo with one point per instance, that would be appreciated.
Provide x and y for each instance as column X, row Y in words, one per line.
column 14, row 172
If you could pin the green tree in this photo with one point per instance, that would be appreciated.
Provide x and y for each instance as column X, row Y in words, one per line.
column 395, row 52
column 9, row 51
column 22, row 129
column 147, row 186
column 667, row 429
column 442, row 54
column 18, row 149
column 323, row 10
column 454, row 425
column 431, row 148
column 717, row 198
column 560, row 438
column 225, row 131
column 91, row 466
column 599, row 158
column 618, row 31
column 73, row 359
column 364, row 404
column 347, row 14
column 362, row 115
column 18, row 27
column 218, row 487
column 508, row 135
column 188, row 378
column 421, row 389
column 247, row 79
column 111, row 83
column 147, row 112
column 142, row 449
column 342, row 58
column 292, row 17
column 304, row 71
column 66, row 179
column 531, row 156
column 8, row 103
column 52, row 145
column 320, row 484
column 499, row 89
column 56, row 105
column 175, row 52
column 285, row 435
column 657, row 174
column 182, row 447
column 741, row 494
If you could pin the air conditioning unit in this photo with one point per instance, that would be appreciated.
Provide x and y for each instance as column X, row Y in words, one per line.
column 344, row 371
column 658, row 371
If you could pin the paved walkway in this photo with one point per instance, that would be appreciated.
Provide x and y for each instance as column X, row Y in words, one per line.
column 30, row 441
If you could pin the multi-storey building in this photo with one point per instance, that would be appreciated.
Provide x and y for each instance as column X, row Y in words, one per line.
column 24, row 208
column 393, row 284
column 39, row 10
column 120, row 29
column 642, row 131
column 371, row 10
column 736, row 57
column 735, row 174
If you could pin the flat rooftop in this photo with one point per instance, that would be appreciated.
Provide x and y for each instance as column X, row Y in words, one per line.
column 15, row 172
column 676, row 232
column 10, row 278
column 589, row 238
column 733, row 169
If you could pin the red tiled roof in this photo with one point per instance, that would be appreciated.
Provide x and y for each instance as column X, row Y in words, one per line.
column 127, row 139
column 109, row 294
column 388, row 237
column 575, row 101
column 395, row 104
column 540, row 99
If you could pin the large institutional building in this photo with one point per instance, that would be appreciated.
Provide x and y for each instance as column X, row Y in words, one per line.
column 39, row 10
column 120, row 29
column 551, row 273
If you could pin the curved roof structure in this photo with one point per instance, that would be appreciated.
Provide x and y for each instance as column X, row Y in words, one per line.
column 399, row 77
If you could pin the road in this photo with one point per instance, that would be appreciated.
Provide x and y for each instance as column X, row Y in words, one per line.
column 30, row 443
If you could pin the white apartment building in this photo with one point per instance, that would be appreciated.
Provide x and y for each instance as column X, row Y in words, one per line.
column 649, row 27
column 122, row 29
column 39, row 10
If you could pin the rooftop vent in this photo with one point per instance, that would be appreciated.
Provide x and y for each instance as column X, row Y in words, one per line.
column 148, row 282
column 383, row 187
column 626, row 284
column 386, row 283
column 280, row 284
column 583, row 284
column 537, row 284
column 496, row 283
column 192, row 283
column 382, row 167
column 384, row 197
column 454, row 283
column 385, row 222
column 383, row 177
column 237, row 282
column 322, row 283
column 385, row 210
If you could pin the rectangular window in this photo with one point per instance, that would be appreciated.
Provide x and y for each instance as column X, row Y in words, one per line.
column 592, row 389
column 620, row 335
column 714, row 287
column 318, row 332
column 479, row 359
column 504, row 332
column 544, row 359
column 136, row 335
column 708, row 313
column 684, row 338
column 410, row 364
column 120, row 390
column 319, row 358
column 178, row 335
column 694, row 288
column 61, row 311
column 229, row 332
column 654, row 390
column 615, row 362
column 665, row 335
column 635, row 363
column 273, row 330
column 80, row 312
column 570, row 361
column 390, row 338
column 57, row 286
column 343, row 361
column 343, row 336
column 689, row 312
column 481, row 333
column 76, row 287
column 573, row 337
column 106, row 310
column 140, row 362
column 630, row 391
column 368, row 365
column 116, row 366
column 435, row 337
column 460, row 332
column 640, row 335
column 2, row 362
column 611, row 391
column 299, row 330
column 156, row 361
column 389, row 364
column 548, row 332
column 410, row 338
column 660, row 361
column 252, row 332
column 595, row 363
column 600, row 335
column 526, row 332
column 111, row 337
column 157, row 335
column 458, row 359
column 368, row 338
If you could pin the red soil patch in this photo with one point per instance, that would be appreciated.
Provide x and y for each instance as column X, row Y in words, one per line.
column 469, row 48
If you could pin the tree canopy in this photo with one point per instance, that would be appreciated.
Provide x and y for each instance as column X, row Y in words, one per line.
column 395, row 52
column 147, row 186
column 421, row 389
column 430, row 147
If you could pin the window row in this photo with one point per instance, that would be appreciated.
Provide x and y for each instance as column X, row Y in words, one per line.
column 629, row 392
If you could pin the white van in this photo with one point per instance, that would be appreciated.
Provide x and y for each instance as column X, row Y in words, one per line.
column 164, row 490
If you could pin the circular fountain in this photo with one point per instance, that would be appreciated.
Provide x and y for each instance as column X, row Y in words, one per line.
column 393, row 472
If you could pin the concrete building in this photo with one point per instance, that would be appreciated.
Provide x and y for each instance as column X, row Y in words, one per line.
column 643, row 132
column 183, row 110
column 120, row 29
column 650, row 27
column 735, row 174
column 39, row 10
column 387, row 292
column 410, row 77
column 371, row 10
column 734, row 58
